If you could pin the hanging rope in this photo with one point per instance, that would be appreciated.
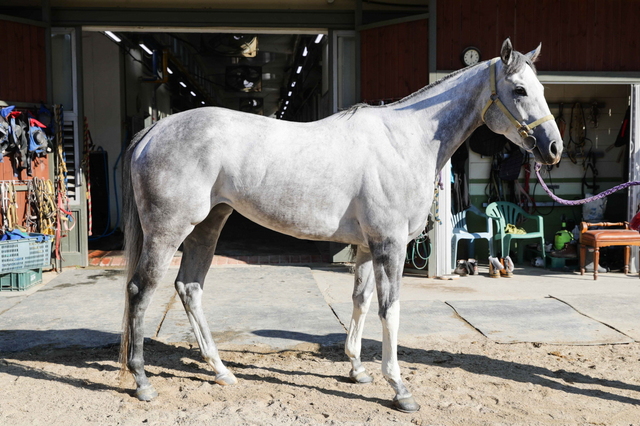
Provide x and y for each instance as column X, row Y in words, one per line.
column 46, row 196
column 603, row 194
column 6, row 207
column 31, row 209
column 86, row 165
column 60, row 179
column 13, row 207
column 420, row 248
column 40, row 210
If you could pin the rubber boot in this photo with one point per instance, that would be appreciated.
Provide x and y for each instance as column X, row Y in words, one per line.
column 505, row 272
column 494, row 272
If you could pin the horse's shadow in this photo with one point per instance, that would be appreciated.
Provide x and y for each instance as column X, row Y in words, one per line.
column 176, row 358
column 476, row 364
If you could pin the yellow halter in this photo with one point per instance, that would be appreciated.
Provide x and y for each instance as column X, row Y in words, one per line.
column 524, row 130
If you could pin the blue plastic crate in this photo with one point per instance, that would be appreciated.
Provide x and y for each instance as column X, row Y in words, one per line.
column 26, row 253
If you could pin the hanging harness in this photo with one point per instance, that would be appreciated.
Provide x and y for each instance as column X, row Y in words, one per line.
column 524, row 130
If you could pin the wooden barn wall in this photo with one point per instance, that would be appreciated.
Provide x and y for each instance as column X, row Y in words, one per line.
column 23, row 76
column 23, row 80
column 394, row 60
column 576, row 35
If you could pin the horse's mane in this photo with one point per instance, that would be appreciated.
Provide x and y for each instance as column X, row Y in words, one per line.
column 518, row 61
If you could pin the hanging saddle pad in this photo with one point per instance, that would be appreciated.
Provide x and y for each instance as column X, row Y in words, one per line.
column 484, row 142
column 510, row 167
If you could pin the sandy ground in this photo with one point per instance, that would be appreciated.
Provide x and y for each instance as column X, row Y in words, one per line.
column 456, row 382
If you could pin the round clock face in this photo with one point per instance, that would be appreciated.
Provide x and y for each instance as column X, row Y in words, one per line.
column 471, row 56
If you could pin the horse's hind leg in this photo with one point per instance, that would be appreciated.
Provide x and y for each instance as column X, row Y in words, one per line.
column 388, row 257
column 157, row 250
column 362, row 292
column 198, row 251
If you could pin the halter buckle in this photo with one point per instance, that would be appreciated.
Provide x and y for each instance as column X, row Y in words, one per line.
column 524, row 131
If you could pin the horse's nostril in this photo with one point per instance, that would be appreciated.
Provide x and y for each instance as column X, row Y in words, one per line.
column 553, row 148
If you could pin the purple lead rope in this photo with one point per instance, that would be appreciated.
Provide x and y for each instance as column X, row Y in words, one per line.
column 603, row 194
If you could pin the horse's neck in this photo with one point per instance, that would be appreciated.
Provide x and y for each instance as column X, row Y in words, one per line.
column 449, row 111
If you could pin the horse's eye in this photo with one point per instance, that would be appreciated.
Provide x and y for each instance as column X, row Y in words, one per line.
column 520, row 91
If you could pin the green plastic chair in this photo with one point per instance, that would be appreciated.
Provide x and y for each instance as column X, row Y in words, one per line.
column 505, row 213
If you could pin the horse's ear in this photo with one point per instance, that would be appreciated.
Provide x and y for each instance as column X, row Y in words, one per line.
column 533, row 55
column 506, row 52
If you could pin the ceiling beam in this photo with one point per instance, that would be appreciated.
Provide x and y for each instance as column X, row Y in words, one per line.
column 185, row 18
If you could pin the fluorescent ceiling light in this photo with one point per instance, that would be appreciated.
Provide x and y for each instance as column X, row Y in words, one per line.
column 299, row 69
column 112, row 36
column 182, row 84
column 293, row 84
column 169, row 70
column 319, row 38
column 305, row 52
column 286, row 103
column 202, row 102
column 289, row 94
column 146, row 49
column 192, row 94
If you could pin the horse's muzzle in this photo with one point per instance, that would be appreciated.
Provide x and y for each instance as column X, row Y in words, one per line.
column 554, row 152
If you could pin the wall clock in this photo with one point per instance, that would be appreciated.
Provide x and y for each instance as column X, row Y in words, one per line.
column 470, row 56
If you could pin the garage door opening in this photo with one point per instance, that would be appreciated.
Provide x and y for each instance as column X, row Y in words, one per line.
column 132, row 79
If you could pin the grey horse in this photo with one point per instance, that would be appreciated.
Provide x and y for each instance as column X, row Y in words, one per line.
column 364, row 176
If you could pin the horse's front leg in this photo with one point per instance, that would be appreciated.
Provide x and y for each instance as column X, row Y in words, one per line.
column 362, row 292
column 388, row 258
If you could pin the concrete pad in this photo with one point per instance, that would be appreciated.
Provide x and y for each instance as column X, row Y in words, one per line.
column 278, row 306
column 80, row 307
column 539, row 320
column 9, row 300
column 620, row 311
column 417, row 318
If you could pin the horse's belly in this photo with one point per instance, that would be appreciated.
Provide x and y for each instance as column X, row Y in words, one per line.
column 302, row 220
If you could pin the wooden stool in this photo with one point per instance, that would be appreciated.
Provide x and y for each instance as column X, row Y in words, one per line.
column 597, row 238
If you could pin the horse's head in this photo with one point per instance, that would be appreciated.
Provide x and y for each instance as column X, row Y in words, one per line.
column 518, row 109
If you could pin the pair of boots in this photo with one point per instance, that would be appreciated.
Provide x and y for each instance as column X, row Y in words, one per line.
column 500, row 267
column 467, row 267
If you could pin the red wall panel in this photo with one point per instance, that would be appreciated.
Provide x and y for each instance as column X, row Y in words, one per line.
column 22, row 79
column 577, row 35
column 23, row 71
column 394, row 60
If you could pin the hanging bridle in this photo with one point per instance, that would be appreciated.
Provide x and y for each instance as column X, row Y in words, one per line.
column 524, row 130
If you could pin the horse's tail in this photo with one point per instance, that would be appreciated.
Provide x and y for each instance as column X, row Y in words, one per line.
column 132, row 243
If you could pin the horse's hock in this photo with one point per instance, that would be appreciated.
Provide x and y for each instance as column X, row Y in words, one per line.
column 596, row 238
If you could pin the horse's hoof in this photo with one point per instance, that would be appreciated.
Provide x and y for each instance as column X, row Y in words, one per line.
column 360, row 378
column 146, row 393
column 226, row 379
column 406, row 405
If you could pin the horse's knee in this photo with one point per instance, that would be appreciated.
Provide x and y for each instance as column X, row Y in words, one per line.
column 190, row 293
column 361, row 304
